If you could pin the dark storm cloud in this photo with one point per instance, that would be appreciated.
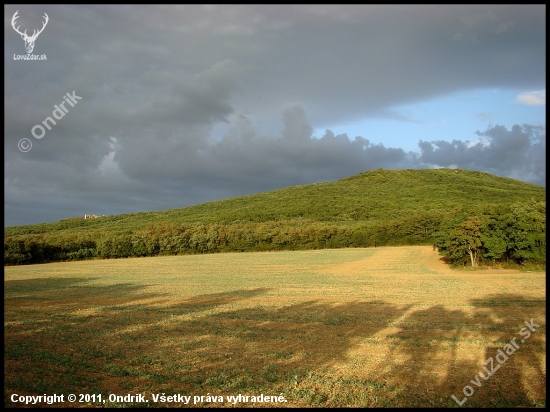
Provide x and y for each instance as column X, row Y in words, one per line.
column 519, row 153
column 158, row 82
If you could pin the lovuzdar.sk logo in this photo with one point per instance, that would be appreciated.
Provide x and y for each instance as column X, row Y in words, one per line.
column 29, row 40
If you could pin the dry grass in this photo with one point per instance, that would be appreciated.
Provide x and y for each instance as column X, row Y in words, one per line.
column 351, row 327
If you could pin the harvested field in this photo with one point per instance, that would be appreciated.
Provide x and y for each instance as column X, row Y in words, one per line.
column 390, row 326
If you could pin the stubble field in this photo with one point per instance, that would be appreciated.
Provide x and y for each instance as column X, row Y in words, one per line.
column 349, row 327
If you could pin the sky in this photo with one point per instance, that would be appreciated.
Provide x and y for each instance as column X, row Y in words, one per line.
column 130, row 108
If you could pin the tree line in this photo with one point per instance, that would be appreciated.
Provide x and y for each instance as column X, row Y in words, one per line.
column 515, row 235
column 518, row 236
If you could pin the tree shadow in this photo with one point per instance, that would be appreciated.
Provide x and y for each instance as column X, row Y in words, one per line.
column 54, row 294
column 63, row 335
column 436, row 355
column 519, row 324
column 119, row 338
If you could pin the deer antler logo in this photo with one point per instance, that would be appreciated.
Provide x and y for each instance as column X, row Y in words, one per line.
column 29, row 40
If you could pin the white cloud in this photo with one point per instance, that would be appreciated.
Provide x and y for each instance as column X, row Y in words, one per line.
column 533, row 98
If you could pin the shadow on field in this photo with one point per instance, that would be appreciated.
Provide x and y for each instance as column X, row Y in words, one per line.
column 429, row 342
column 77, row 337
column 522, row 372
column 26, row 286
column 64, row 336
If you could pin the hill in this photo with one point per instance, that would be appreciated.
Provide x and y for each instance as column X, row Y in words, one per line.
column 380, row 195
column 372, row 208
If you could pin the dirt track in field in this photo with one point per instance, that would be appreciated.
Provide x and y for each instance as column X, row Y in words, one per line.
column 402, row 260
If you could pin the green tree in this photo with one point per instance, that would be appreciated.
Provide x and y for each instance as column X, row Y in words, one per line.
column 493, row 239
column 528, row 232
column 465, row 240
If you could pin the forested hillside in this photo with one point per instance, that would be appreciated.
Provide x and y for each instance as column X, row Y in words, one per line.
column 472, row 217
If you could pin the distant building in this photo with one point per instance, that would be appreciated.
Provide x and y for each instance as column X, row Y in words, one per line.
column 91, row 216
